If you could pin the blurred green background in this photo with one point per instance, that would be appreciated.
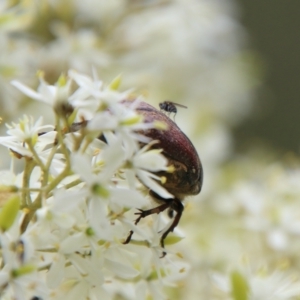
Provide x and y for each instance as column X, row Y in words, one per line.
column 273, row 32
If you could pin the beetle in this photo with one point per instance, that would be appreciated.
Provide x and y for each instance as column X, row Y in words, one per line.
column 187, row 177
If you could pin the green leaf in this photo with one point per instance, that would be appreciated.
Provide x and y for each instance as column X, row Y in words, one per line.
column 9, row 212
column 239, row 286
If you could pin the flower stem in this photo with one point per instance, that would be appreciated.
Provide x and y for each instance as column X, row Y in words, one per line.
column 25, row 198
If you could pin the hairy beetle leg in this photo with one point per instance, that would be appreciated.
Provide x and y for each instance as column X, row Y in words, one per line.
column 174, row 205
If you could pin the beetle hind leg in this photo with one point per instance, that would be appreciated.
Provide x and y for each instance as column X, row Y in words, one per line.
column 173, row 204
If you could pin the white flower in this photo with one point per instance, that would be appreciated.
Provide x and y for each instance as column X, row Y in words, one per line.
column 79, row 196
column 26, row 131
column 49, row 94
column 93, row 90
column 19, row 269
column 145, row 162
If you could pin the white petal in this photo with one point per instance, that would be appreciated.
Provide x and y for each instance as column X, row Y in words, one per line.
column 141, row 290
column 78, row 291
column 73, row 243
column 127, row 198
column 64, row 220
column 145, row 177
column 121, row 270
column 81, row 164
column 97, row 218
column 66, row 200
column 56, row 272
column 277, row 239
column 83, row 80
column 27, row 91
column 114, row 157
column 4, row 276
column 48, row 92
column 18, row 148
column 151, row 160
column 86, row 267
column 103, row 121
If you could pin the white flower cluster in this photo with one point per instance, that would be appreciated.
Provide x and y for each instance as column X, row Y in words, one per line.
column 77, row 193
column 189, row 51
column 245, row 240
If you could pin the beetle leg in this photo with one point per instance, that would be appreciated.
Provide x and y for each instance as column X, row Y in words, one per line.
column 155, row 210
column 145, row 213
column 177, row 206
column 128, row 239
column 174, row 205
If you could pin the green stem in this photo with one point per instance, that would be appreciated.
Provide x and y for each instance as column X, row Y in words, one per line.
column 25, row 196
column 61, row 143
column 36, row 157
column 48, row 164
column 53, row 184
column 28, row 216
